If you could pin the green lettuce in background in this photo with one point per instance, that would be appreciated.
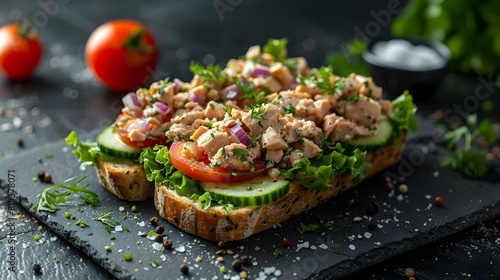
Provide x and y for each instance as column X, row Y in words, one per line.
column 470, row 29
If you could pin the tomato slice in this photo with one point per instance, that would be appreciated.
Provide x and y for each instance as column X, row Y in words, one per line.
column 201, row 171
column 123, row 135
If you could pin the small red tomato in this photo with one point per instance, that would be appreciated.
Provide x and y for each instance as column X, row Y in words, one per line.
column 20, row 50
column 122, row 54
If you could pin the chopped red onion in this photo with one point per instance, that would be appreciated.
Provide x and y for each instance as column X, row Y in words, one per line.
column 241, row 134
column 191, row 96
column 178, row 85
column 161, row 108
column 260, row 71
column 230, row 93
column 130, row 101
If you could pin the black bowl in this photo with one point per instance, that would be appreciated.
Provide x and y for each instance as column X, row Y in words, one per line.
column 394, row 79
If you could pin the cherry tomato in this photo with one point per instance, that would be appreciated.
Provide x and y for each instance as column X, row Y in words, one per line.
column 123, row 135
column 20, row 50
column 201, row 171
column 122, row 54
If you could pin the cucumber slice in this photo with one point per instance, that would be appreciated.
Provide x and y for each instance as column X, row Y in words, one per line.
column 109, row 143
column 258, row 191
column 375, row 141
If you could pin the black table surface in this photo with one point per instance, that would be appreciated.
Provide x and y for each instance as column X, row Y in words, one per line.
column 62, row 96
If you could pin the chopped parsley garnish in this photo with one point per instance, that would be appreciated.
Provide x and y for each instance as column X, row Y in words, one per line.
column 276, row 48
column 241, row 154
column 211, row 73
column 249, row 92
column 53, row 197
column 305, row 228
column 228, row 110
column 110, row 224
column 254, row 139
column 257, row 112
column 277, row 252
column 289, row 109
column 322, row 80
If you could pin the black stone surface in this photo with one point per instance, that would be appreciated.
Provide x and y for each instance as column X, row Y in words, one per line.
column 64, row 91
column 404, row 222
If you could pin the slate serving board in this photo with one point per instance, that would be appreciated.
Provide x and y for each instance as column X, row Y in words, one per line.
column 404, row 221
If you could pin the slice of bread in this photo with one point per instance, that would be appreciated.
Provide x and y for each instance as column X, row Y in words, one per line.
column 124, row 178
column 216, row 224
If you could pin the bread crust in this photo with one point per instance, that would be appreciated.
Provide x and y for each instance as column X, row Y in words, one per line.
column 124, row 178
column 216, row 224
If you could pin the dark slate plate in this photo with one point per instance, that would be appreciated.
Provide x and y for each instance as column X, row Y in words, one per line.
column 404, row 221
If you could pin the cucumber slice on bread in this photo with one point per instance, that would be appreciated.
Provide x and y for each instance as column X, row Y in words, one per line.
column 109, row 143
column 376, row 141
column 258, row 191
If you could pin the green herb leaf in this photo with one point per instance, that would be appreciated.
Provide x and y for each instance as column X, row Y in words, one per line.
column 305, row 228
column 210, row 74
column 53, row 197
column 109, row 223
column 277, row 48
column 277, row 252
column 403, row 115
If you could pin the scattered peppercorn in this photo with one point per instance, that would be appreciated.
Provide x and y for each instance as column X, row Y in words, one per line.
column 37, row 268
column 40, row 160
column 286, row 243
column 154, row 221
column 47, row 178
column 221, row 244
column 159, row 229
column 237, row 265
column 36, row 237
column 127, row 256
column 243, row 275
column 41, row 175
column 133, row 208
column 159, row 238
column 20, row 143
column 403, row 188
column 438, row 201
column 220, row 252
column 372, row 226
column 388, row 186
column 372, row 208
column 223, row 270
column 246, row 260
column 167, row 244
column 359, row 236
column 184, row 268
column 107, row 249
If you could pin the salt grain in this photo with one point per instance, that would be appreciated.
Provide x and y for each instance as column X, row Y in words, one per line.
column 352, row 247
column 323, row 246
column 302, row 245
column 367, row 235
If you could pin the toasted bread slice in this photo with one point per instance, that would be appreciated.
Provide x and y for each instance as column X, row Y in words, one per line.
column 125, row 179
column 216, row 224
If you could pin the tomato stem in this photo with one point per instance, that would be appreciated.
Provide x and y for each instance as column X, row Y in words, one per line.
column 133, row 41
column 25, row 29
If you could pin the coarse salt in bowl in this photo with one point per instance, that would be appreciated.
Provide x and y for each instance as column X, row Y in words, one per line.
column 414, row 64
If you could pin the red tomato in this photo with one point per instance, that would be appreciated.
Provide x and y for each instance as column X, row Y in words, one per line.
column 201, row 171
column 123, row 135
column 122, row 54
column 20, row 50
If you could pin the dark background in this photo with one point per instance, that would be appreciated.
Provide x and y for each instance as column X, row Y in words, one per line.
column 67, row 97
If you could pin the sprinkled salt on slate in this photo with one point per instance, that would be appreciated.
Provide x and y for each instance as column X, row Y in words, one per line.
column 397, row 235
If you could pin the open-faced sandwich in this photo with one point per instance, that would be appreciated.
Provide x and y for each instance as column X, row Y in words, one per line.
column 237, row 150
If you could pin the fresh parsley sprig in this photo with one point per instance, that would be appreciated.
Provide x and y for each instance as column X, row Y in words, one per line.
column 322, row 79
column 211, row 73
column 53, row 197
column 277, row 48
column 465, row 158
column 249, row 92
column 110, row 224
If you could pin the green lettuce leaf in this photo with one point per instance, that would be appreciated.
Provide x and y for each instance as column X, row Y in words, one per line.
column 318, row 172
column 156, row 162
column 403, row 114
column 85, row 151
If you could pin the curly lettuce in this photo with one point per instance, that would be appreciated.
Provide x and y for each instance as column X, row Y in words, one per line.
column 318, row 172
column 156, row 162
column 402, row 117
column 86, row 152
